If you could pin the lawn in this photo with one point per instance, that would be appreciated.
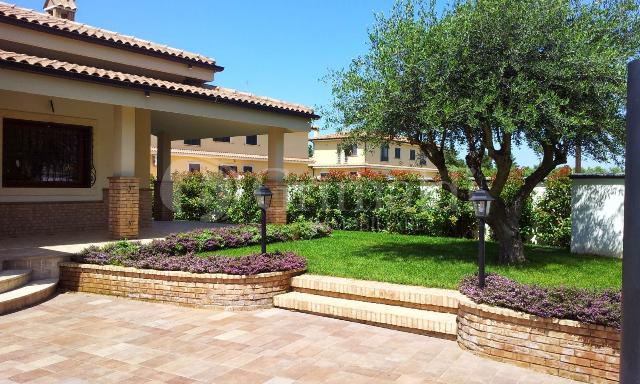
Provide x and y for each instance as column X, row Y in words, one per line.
column 440, row 262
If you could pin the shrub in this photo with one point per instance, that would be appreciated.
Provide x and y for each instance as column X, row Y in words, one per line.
column 244, row 265
column 552, row 214
column 587, row 306
column 127, row 253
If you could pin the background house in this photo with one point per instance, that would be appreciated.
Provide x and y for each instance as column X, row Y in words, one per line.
column 236, row 154
column 330, row 154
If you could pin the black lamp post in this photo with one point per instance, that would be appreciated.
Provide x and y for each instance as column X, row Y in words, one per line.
column 263, row 198
column 481, row 200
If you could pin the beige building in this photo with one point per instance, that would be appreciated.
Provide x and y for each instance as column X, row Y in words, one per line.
column 330, row 154
column 237, row 154
column 78, row 106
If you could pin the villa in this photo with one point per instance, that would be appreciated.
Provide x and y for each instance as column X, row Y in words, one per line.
column 330, row 154
column 237, row 154
column 78, row 106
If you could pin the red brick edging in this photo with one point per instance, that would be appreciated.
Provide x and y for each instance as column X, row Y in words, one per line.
column 567, row 348
column 218, row 291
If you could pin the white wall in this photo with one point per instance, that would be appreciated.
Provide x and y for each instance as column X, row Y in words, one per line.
column 597, row 215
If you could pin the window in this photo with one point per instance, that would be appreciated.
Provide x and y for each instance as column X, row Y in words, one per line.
column 247, row 169
column 412, row 154
column 194, row 167
column 228, row 169
column 252, row 140
column 224, row 139
column 384, row 153
column 192, row 142
column 354, row 174
column 422, row 159
column 38, row 154
column 324, row 174
column 397, row 153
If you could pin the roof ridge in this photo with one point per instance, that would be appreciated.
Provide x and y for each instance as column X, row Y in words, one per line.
column 31, row 16
column 212, row 92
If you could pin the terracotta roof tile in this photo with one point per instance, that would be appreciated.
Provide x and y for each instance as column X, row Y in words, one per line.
column 342, row 135
column 212, row 92
column 33, row 18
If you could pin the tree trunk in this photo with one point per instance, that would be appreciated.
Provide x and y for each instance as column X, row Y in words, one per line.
column 506, row 228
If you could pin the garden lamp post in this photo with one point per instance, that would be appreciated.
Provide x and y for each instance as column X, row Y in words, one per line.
column 263, row 198
column 481, row 200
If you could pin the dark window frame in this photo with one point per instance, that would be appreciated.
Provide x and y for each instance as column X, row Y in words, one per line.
column 194, row 142
column 384, row 153
column 247, row 169
column 196, row 167
column 397, row 153
column 16, row 132
column 251, row 140
column 222, row 139
column 412, row 154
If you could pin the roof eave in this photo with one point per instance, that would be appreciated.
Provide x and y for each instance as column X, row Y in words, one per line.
column 143, row 87
column 73, row 35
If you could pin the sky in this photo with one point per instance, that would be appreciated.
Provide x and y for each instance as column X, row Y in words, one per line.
column 276, row 48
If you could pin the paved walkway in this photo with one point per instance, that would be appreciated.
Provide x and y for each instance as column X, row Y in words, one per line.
column 81, row 338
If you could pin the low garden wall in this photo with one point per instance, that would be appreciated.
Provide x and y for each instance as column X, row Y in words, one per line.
column 220, row 291
column 575, row 350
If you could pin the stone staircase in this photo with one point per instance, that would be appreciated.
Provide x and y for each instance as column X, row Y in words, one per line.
column 27, row 281
column 408, row 308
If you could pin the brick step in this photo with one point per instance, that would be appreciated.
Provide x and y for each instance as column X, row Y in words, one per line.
column 406, row 319
column 431, row 299
column 13, row 278
column 33, row 293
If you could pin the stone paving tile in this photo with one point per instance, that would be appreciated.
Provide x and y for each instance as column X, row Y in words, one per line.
column 81, row 338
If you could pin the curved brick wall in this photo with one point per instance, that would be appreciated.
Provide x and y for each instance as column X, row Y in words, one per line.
column 584, row 352
column 199, row 290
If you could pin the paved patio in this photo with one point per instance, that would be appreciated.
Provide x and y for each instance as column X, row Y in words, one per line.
column 81, row 338
column 67, row 243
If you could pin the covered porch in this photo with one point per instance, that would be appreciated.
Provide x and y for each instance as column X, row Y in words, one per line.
column 120, row 112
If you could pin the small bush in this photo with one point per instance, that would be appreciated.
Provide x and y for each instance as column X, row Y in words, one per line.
column 178, row 252
column 552, row 215
column 587, row 306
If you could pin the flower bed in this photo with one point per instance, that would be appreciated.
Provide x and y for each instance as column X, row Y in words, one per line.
column 586, row 306
column 178, row 252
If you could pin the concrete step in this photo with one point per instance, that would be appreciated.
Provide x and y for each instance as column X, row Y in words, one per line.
column 407, row 319
column 13, row 278
column 33, row 293
column 431, row 299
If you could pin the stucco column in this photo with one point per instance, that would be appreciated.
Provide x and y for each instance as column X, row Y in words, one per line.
column 277, row 212
column 164, row 186
column 124, row 194
column 143, row 164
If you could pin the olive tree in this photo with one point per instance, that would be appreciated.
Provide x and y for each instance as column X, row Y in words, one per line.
column 486, row 76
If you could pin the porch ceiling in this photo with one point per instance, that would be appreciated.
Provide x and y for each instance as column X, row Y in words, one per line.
column 181, row 126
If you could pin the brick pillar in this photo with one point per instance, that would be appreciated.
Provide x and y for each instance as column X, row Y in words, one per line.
column 163, row 201
column 277, row 212
column 146, row 210
column 124, row 207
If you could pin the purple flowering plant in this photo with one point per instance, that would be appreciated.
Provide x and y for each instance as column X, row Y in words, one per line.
column 585, row 305
column 178, row 252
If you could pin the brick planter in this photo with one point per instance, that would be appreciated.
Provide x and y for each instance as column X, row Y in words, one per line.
column 584, row 352
column 217, row 291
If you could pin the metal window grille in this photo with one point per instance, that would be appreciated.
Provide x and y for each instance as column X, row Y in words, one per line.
column 39, row 154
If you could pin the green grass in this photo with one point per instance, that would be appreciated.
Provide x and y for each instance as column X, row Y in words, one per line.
column 440, row 262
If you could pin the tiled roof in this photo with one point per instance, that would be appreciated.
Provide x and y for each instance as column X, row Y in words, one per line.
column 219, row 94
column 230, row 155
column 31, row 18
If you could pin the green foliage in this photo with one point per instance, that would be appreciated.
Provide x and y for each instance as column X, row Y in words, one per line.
column 553, row 211
column 509, row 193
column 211, row 196
column 487, row 76
column 244, row 209
column 372, row 202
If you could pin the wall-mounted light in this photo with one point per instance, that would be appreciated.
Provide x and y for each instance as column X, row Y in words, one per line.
column 190, row 66
column 147, row 94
